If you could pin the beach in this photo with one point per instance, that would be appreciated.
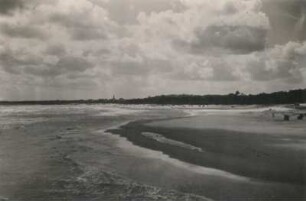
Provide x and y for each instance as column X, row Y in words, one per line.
column 260, row 157
column 116, row 152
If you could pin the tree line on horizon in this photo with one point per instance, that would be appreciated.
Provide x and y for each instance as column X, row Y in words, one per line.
column 237, row 98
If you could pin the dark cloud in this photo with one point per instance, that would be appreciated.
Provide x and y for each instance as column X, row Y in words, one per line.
column 56, row 50
column 79, row 27
column 42, row 70
column 113, row 43
column 233, row 39
column 145, row 66
column 23, row 31
column 71, row 64
column 287, row 19
column 88, row 34
column 71, row 20
column 284, row 70
column 65, row 65
column 229, row 8
column 7, row 6
column 9, row 63
column 127, row 11
column 14, row 63
column 129, row 68
column 281, row 63
column 224, row 73
column 97, row 53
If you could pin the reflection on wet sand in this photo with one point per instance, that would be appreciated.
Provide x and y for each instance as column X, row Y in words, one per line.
column 230, row 147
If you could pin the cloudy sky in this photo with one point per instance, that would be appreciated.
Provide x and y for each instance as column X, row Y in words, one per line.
column 79, row 49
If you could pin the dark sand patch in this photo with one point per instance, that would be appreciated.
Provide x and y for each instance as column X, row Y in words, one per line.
column 275, row 173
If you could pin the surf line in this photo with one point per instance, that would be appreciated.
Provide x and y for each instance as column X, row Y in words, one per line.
column 138, row 151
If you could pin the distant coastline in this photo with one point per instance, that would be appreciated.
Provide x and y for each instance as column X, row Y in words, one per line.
column 281, row 97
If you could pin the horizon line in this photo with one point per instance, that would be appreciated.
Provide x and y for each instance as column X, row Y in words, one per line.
column 113, row 98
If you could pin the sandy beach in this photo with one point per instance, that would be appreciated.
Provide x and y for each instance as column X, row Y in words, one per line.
column 113, row 152
column 266, row 153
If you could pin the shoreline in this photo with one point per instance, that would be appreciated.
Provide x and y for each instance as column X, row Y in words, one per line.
column 129, row 146
column 274, row 171
column 227, row 162
column 69, row 159
column 62, row 158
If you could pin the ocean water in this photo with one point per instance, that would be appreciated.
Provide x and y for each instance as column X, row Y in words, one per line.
column 63, row 153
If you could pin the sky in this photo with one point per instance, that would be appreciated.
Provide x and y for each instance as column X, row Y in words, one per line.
column 88, row 49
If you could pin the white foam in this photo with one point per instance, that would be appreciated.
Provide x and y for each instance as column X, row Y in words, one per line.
column 165, row 140
column 132, row 149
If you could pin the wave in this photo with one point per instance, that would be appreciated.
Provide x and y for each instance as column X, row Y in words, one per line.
column 165, row 140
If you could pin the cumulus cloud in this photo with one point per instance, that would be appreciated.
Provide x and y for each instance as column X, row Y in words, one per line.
column 232, row 28
column 14, row 63
column 211, row 69
column 7, row 6
column 55, row 50
column 86, row 23
column 73, row 64
column 282, row 62
column 22, row 31
column 139, row 66
column 10, row 7
column 24, row 63
column 286, row 15
column 137, row 48
column 126, row 12
column 63, row 66
column 232, row 39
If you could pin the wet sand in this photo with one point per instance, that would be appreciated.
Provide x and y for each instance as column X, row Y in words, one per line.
column 251, row 145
